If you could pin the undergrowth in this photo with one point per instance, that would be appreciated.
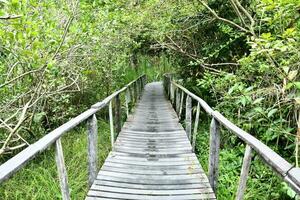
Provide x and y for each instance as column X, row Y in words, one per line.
column 39, row 179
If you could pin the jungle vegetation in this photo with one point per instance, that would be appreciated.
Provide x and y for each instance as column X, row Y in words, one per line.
column 58, row 57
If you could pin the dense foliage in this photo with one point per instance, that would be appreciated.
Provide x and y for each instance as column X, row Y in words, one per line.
column 59, row 57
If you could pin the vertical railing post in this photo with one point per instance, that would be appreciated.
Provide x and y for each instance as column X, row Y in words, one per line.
column 172, row 88
column 141, row 84
column 188, row 116
column 127, row 100
column 244, row 173
column 196, row 127
column 111, row 123
column 135, row 92
column 118, row 120
column 138, row 89
column 169, row 88
column 62, row 172
column 181, row 104
column 131, row 90
column 214, row 150
column 177, row 100
column 92, row 148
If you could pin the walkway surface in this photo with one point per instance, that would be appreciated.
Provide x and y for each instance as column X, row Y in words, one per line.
column 152, row 157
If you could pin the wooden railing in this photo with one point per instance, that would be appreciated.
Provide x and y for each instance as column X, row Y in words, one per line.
column 178, row 95
column 132, row 91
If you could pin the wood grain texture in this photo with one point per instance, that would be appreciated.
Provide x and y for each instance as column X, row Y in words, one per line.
column 152, row 157
column 181, row 104
column 127, row 101
column 188, row 117
column 244, row 173
column 62, row 172
column 195, row 131
column 118, row 120
column 214, row 149
column 111, row 123
column 92, row 148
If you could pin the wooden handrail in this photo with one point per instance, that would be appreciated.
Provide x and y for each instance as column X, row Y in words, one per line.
column 11, row 166
column 287, row 171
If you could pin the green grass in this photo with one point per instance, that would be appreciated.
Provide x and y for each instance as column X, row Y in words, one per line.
column 39, row 179
column 262, row 183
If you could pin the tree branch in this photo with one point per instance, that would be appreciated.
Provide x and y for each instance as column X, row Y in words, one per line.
column 223, row 19
column 10, row 17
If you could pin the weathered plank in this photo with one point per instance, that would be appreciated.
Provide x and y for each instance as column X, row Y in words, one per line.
column 214, row 149
column 111, row 124
column 244, row 173
column 181, row 105
column 188, row 117
column 196, row 127
column 127, row 101
column 118, row 119
column 177, row 101
column 62, row 172
column 92, row 148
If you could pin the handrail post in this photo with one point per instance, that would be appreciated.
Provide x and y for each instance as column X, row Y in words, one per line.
column 92, row 148
column 127, row 100
column 131, row 91
column 196, row 127
column 244, row 173
column 177, row 103
column 188, row 116
column 111, row 124
column 214, row 150
column 172, row 93
column 118, row 121
column 181, row 104
column 62, row 172
column 135, row 92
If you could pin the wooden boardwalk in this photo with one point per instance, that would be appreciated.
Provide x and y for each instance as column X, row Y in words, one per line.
column 152, row 157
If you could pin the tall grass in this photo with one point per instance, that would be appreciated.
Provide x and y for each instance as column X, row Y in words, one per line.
column 39, row 180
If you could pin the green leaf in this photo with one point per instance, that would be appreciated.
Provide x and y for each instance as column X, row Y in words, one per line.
column 297, row 84
column 38, row 117
column 258, row 100
column 272, row 112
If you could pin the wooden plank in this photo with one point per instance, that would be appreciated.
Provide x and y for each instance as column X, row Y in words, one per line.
column 139, row 180
column 62, row 172
column 244, row 173
column 149, row 171
column 152, row 192
column 214, row 149
column 152, row 187
column 196, row 127
column 111, row 124
column 188, row 117
column 92, row 148
column 148, row 197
